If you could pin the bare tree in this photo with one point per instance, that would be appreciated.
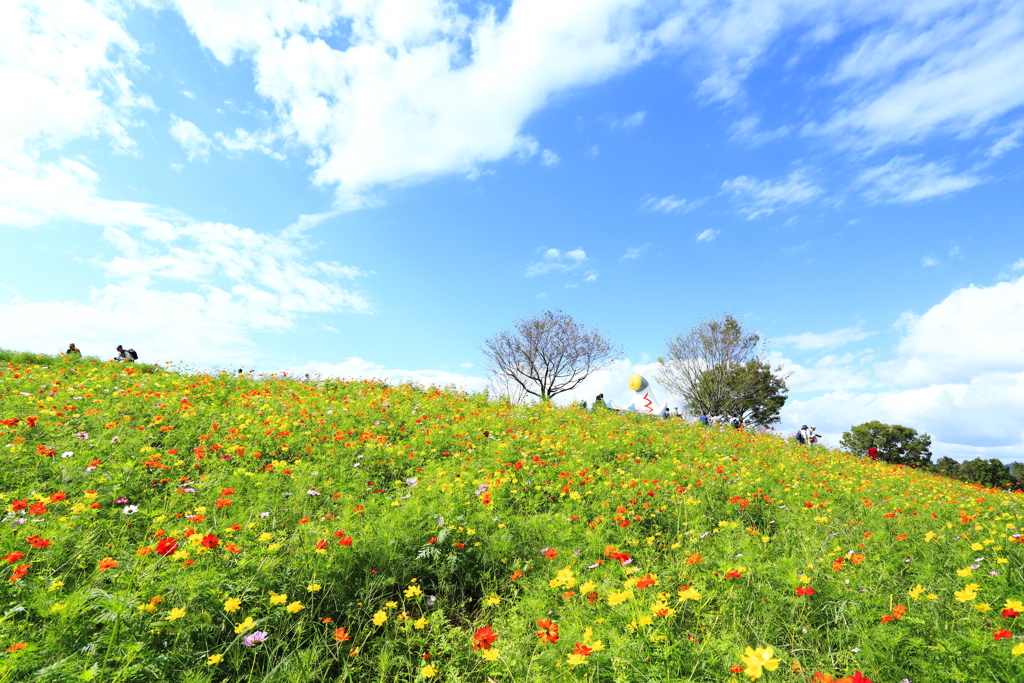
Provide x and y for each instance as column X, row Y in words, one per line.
column 717, row 370
column 548, row 354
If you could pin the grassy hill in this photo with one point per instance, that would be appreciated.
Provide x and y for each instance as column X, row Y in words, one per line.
column 161, row 526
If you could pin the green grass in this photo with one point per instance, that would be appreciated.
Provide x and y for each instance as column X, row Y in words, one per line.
column 441, row 513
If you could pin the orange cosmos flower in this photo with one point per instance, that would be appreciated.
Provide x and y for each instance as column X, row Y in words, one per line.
column 107, row 563
column 548, row 632
column 341, row 635
column 484, row 638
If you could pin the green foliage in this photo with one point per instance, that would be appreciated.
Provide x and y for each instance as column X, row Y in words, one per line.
column 414, row 519
column 715, row 368
column 895, row 443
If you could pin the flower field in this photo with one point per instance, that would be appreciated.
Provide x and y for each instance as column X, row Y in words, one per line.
column 163, row 526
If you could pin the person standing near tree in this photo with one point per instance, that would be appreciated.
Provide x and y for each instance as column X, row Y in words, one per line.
column 873, row 452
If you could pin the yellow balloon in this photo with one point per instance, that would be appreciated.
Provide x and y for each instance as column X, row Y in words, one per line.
column 635, row 382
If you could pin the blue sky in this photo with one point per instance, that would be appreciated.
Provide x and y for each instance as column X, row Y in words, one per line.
column 373, row 187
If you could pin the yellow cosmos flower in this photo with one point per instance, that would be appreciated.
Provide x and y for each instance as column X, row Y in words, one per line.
column 420, row 623
column 278, row 598
column 575, row 660
column 969, row 592
column 620, row 597
column 982, row 607
column 380, row 617
column 391, row 605
column 1018, row 650
column 493, row 600
column 147, row 607
column 264, row 537
column 689, row 593
column 966, row 571
column 214, row 659
column 295, row 607
column 916, row 591
column 55, row 585
column 428, row 671
column 313, row 587
column 588, row 587
column 1015, row 605
column 490, row 655
column 564, row 577
column 245, row 625
column 413, row 591
column 232, row 605
column 758, row 660
column 176, row 613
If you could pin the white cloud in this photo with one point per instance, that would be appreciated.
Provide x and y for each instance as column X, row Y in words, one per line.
column 958, row 375
column 418, row 88
column 188, row 94
column 764, row 197
column 635, row 252
column 937, row 69
column 590, row 276
column 194, row 141
column 929, row 261
column 905, row 179
column 244, row 141
column 628, row 122
column 554, row 261
column 828, row 340
column 747, row 131
column 195, row 290
column 707, row 235
column 549, row 158
column 1008, row 142
column 670, row 204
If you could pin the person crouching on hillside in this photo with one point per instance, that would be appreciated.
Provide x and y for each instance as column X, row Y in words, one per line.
column 73, row 350
column 123, row 355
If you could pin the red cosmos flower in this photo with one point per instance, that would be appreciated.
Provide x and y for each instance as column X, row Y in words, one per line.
column 304, row 520
column 645, row 582
column 1010, row 613
column 341, row 635
column 236, row 527
column 45, row 450
column 209, row 541
column 801, row 590
column 548, row 632
column 484, row 638
column 551, row 553
column 19, row 505
column 347, row 541
column 38, row 541
column 227, row 492
column 19, row 572
column 736, row 669
column 58, row 496
column 1002, row 633
column 582, row 649
column 516, row 575
column 321, row 545
column 32, row 420
column 358, row 509
column 885, row 619
column 167, row 546
column 223, row 503
column 734, row 574
column 460, row 544
column 13, row 557
column 899, row 611
column 837, row 564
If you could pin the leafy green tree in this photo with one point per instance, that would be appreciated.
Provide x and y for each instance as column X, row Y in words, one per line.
column 895, row 443
column 717, row 369
column 991, row 472
column 1017, row 474
column 947, row 466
